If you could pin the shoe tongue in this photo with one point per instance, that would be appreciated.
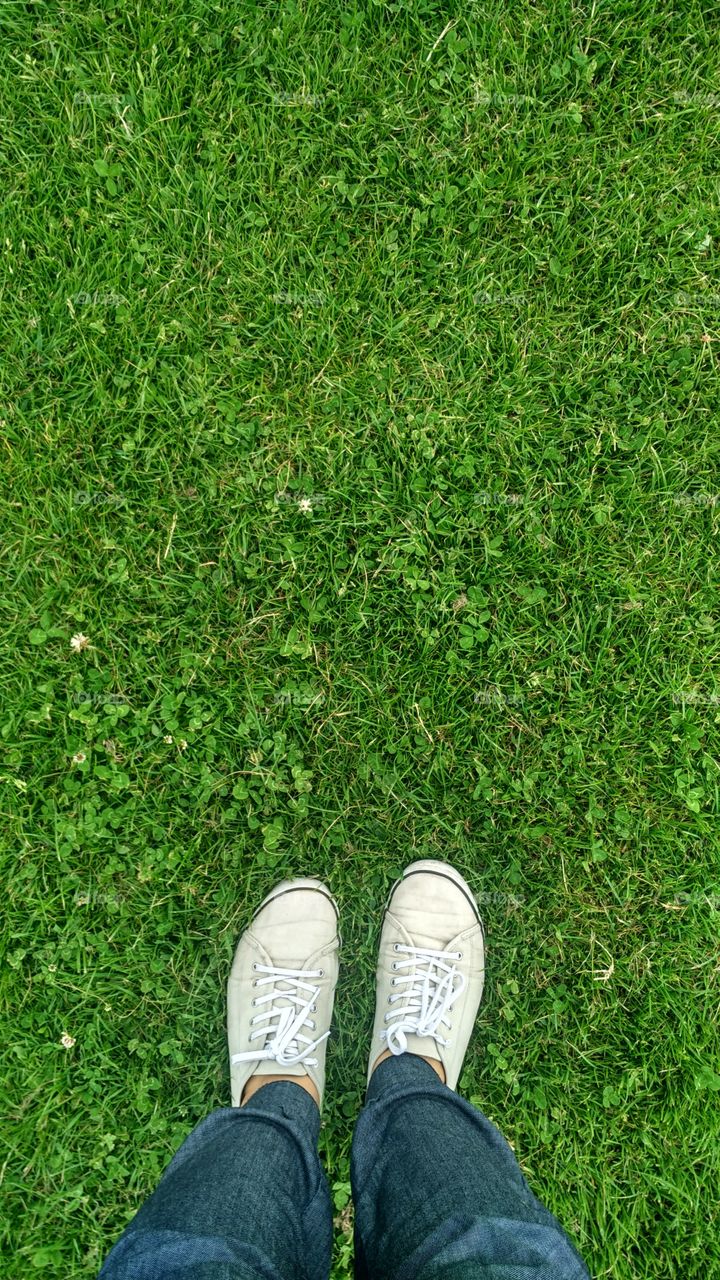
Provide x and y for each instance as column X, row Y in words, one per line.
column 282, row 990
column 272, row 1069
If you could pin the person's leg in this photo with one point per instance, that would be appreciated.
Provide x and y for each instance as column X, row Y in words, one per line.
column 438, row 1192
column 245, row 1196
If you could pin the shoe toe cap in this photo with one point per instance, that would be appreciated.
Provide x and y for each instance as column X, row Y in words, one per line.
column 433, row 907
column 294, row 924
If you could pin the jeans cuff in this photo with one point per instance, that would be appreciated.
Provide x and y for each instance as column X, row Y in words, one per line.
column 282, row 1098
column 397, row 1074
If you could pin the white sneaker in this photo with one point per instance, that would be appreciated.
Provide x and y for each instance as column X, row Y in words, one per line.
column 282, row 987
column 431, row 968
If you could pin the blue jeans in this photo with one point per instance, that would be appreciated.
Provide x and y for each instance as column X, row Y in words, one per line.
column 438, row 1194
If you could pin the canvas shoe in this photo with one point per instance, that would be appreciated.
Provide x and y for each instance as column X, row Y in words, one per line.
column 431, row 968
column 282, row 987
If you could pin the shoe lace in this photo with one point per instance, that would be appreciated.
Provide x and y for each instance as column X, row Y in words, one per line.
column 431, row 990
column 290, row 1000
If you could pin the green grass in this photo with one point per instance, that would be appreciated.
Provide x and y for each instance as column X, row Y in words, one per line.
column 460, row 289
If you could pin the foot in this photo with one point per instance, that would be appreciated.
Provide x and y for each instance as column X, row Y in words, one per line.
column 281, row 990
column 431, row 969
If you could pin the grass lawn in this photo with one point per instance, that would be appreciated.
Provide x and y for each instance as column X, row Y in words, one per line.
column 359, row 406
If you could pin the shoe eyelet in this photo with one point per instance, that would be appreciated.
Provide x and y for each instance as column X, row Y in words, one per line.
column 389, row 999
column 313, row 1008
column 321, row 973
column 396, row 946
column 459, row 955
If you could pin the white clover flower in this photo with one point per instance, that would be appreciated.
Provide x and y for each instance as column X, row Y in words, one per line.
column 305, row 505
column 79, row 757
column 168, row 737
column 67, row 1041
column 79, row 642
column 182, row 743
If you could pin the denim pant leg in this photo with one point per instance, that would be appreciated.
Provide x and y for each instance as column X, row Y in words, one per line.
column 439, row 1193
column 244, row 1197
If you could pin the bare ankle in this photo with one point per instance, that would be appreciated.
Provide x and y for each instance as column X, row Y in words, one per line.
column 257, row 1082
